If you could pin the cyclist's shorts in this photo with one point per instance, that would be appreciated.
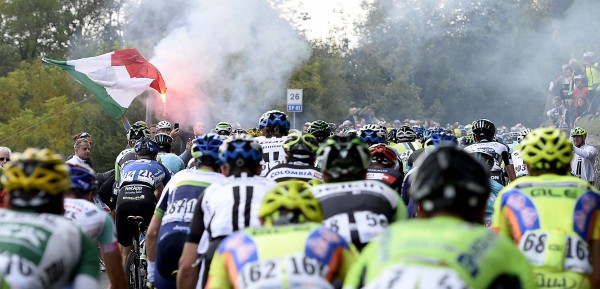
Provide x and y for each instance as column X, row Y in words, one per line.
column 133, row 200
column 561, row 280
column 168, row 251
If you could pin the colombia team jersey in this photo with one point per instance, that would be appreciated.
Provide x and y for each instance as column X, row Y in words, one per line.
column 441, row 252
column 306, row 256
column 552, row 219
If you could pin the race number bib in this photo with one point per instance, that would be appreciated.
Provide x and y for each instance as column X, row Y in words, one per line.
column 369, row 225
column 300, row 272
column 556, row 250
column 410, row 277
column 339, row 224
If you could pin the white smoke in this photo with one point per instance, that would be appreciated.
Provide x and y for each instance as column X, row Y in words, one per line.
column 222, row 60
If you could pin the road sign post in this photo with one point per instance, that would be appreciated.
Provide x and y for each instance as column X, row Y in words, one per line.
column 294, row 102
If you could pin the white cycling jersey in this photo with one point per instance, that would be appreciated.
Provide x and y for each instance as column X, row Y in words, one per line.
column 273, row 153
column 93, row 221
column 232, row 204
column 520, row 166
column 582, row 164
column 45, row 251
column 495, row 148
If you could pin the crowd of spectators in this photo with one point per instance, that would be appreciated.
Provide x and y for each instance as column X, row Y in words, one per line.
column 575, row 93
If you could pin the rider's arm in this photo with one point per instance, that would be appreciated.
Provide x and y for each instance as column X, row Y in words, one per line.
column 585, row 151
column 499, row 221
column 595, row 255
column 188, row 273
column 152, row 237
column 218, row 277
column 355, row 278
column 401, row 211
column 88, row 269
column 109, row 250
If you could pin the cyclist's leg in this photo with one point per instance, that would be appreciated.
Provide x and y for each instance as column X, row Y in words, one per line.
column 124, row 227
column 169, row 248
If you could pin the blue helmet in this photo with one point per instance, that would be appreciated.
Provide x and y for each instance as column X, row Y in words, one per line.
column 273, row 119
column 372, row 134
column 207, row 145
column 83, row 179
column 241, row 151
column 436, row 139
column 146, row 146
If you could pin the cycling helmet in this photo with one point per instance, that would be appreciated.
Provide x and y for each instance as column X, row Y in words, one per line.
column 578, row 131
column 391, row 135
column 241, row 151
column 522, row 134
column 275, row 120
column 344, row 157
column 37, row 179
column 406, row 134
column 448, row 178
column 546, row 148
column 300, row 147
column 163, row 124
column 239, row 131
column 484, row 129
column 138, row 131
column 146, row 146
column 295, row 200
column 436, row 139
column 320, row 129
column 254, row 132
column 385, row 155
column 164, row 141
column 588, row 54
column 372, row 134
column 223, row 128
column 83, row 180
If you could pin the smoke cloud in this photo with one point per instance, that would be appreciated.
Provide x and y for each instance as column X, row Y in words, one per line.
column 222, row 60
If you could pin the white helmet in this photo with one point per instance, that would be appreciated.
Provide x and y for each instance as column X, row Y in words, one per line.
column 163, row 124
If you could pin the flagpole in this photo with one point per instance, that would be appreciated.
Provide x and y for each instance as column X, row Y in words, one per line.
column 148, row 117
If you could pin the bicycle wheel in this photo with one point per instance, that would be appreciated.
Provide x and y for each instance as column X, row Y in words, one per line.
column 131, row 271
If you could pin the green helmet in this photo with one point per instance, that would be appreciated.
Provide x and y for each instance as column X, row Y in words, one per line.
column 223, row 128
column 546, row 148
column 344, row 157
column 138, row 131
column 578, row 131
column 320, row 129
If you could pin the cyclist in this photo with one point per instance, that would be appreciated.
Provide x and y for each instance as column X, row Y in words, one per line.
column 372, row 134
column 551, row 215
column 232, row 204
column 385, row 166
column 447, row 247
column 584, row 158
column 356, row 208
column 95, row 222
column 274, row 126
column 164, row 126
column 39, row 247
column 168, row 228
column 515, row 156
column 170, row 160
column 406, row 144
column 487, row 160
column 308, row 254
column 483, row 133
column 321, row 130
column 300, row 153
column 141, row 184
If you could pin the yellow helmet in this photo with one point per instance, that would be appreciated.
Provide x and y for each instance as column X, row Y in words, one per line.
column 546, row 148
column 293, row 196
column 35, row 171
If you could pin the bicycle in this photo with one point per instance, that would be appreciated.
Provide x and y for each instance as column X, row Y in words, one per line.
column 136, row 264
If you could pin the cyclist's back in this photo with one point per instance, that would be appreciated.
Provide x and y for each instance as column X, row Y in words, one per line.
column 274, row 127
column 300, row 153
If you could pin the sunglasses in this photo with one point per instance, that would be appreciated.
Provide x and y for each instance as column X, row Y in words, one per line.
column 4, row 159
column 84, row 134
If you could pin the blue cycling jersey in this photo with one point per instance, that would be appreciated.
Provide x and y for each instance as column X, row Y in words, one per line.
column 145, row 172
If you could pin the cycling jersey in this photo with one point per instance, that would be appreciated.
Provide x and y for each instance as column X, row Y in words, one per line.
column 286, row 172
column 307, row 256
column 225, row 207
column 45, row 251
column 172, row 161
column 520, row 166
column 94, row 222
column 176, row 208
column 273, row 153
column 582, row 164
column 404, row 150
column 124, row 156
column 441, row 252
column 495, row 149
column 144, row 172
column 359, row 210
column 391, row 177
column 552, row 219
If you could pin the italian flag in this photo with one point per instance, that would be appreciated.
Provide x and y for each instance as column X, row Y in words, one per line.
column 115, row 78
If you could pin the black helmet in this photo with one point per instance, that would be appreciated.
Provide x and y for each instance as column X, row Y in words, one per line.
column 449, row 179
column 164, row 141
column 484, row 129
column 344, row 157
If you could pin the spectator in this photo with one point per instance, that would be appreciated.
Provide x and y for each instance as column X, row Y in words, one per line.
column 580, row 95
column 198, row 129
column 561, row 85
column 153, row 131
column 575, row 67
column 4, row 155
column 593, row 80
column 557, row 114
column 82, row 152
